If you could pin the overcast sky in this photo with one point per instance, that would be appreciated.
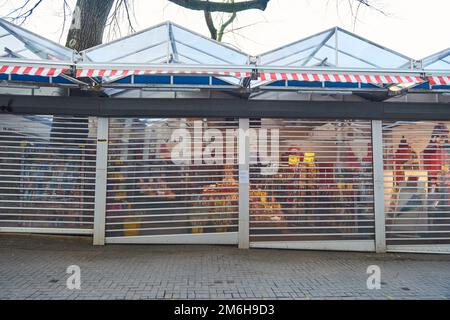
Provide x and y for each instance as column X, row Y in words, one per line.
column 415, row 28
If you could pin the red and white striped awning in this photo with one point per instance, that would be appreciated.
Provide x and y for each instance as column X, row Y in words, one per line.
column 439, row 80
column 342, row 77
column 264, row 76
column 43, row 71
column 55, row 69
column 128, row 72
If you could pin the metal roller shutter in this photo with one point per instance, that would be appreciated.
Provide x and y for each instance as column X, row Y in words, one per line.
column 153, row 198
column 47, row 174
column 321, row 196
column 417, row 185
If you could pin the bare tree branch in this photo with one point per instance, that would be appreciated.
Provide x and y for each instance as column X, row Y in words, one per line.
column 218, row 34
column 18, row 13
column 96, row 16
column 66, row 8
column 228, row 7
column 370, row 4
column 244, row 26
column 210, row 24
column 225, row 25
column 121, row 11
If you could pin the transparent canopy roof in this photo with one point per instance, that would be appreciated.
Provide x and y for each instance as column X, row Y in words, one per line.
column 335, row 48
column 438, row 61
column 16, row 42
column 166, row 43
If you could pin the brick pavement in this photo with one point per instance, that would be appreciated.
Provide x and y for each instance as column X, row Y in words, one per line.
column 34, row 267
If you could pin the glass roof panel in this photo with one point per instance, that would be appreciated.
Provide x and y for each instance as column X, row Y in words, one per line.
column 186, row 60
column 352, row 52
column 297, row 59
column 376, row 55
column 348, row 60
column 158, row 53
column 197, row 55
column 154, row 43
column 13, row 48
column 439, row 65
column 16, row 42
column 296, row 51
column 438, row 61
column 325, row 56
column 202, row 46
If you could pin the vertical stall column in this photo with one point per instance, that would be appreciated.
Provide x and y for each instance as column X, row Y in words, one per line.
column 100, row 181
column 378, row 187
column 244, row 184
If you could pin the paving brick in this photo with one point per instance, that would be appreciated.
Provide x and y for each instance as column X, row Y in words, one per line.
column 34, row 267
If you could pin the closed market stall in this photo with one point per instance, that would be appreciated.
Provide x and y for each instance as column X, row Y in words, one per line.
column 322, row 192
column 329, row 143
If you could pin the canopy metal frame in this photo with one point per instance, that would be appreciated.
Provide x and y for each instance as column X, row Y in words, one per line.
column 442, row 57
column 172, row 58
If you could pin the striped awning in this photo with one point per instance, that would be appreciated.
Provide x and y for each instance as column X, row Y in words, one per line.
column 343, row 77
column 50, row 69
column 90, row 72
column 439, row 80
column 264, row 76
column 33, row 70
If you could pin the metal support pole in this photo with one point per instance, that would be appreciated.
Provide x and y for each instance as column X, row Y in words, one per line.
column 336, row 46
column 378, row 187
column 244, row 184
column 100, row 181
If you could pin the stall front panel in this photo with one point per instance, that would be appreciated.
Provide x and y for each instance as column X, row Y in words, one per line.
column 47, row 174
column 417, row 185
column 172, row 180
column 317, row 193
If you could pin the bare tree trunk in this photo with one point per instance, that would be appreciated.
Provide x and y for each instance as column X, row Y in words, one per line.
column 88, row 24
column 210, row 23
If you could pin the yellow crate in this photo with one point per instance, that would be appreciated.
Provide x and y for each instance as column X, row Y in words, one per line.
column 197, row 229
column 131, row 233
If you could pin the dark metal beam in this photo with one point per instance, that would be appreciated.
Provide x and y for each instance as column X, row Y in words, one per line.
column 122, row 107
